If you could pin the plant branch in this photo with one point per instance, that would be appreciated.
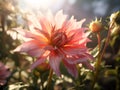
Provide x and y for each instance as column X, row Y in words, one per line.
column 49, row 79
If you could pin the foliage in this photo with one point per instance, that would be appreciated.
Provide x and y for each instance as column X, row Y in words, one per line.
column 22, row 78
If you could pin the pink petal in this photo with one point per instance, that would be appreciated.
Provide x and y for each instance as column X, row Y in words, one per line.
column 31, row 47
column 4, row 74
column 33, row 21
column 46, row 26
column 72, row 24
column 42, row 33
column 88, row 65
column 2, row 82
column 27, row 34
column 37, row 52
column 2, row 66
column 79, row 24
column 79, row 32
column 38, row 62
column 77, row 36
column 71, row 68
column 54, row 61
column 89, row 56
column 60, row 19
column 50, row 17
column 76, row 59
column 73, row 50
column 68, row 25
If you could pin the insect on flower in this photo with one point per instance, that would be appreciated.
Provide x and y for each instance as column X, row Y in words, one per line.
column 56, row 39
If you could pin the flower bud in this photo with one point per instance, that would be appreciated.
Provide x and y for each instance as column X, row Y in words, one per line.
column 115, row 23
column 95, row 26
column 115, row 18
column 43, row 67
column 115, row 30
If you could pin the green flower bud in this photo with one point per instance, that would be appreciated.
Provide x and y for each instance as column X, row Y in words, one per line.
column 115, row 23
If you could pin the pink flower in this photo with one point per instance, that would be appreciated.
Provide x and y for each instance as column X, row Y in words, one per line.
column 56, row 40
column 4, row 74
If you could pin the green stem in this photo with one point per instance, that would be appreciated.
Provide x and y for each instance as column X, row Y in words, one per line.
column 99, row 40
column 49, row 79
column 100, row 56
column 99, row 45
column 118, row 78
column 106, row 43
column 98, row 62
column 3, row 22
column 42, row 82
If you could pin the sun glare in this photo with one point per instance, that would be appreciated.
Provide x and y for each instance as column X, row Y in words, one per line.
column 40, row 3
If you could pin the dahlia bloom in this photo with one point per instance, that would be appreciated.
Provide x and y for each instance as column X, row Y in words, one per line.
column 4, row 74
column 56, row 39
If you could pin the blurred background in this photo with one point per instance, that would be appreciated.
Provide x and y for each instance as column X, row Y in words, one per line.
column 12, row 14
column 79, row 8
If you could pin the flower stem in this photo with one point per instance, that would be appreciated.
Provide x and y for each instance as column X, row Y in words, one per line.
column 99, row 41
column 98, row 62
column 49, row 79
column 99, row 45
column 106, row 43
column 3, row 22
column 100, row 56
column 118, row 78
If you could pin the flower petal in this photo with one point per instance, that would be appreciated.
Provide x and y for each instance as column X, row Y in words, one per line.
column 88, row 65
column 46, row 26
column 68, row 25
column 73, row 50
column 59, row 19
column 76, row 59
column 79, row 24
column 72, row 69
column 38, row 62
column 31, row 47
column 89, row 56
column 4, row 74
column 33, row 21
column 54, row 61
column 50, row 18
column 2, row 82
column 27, row 34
